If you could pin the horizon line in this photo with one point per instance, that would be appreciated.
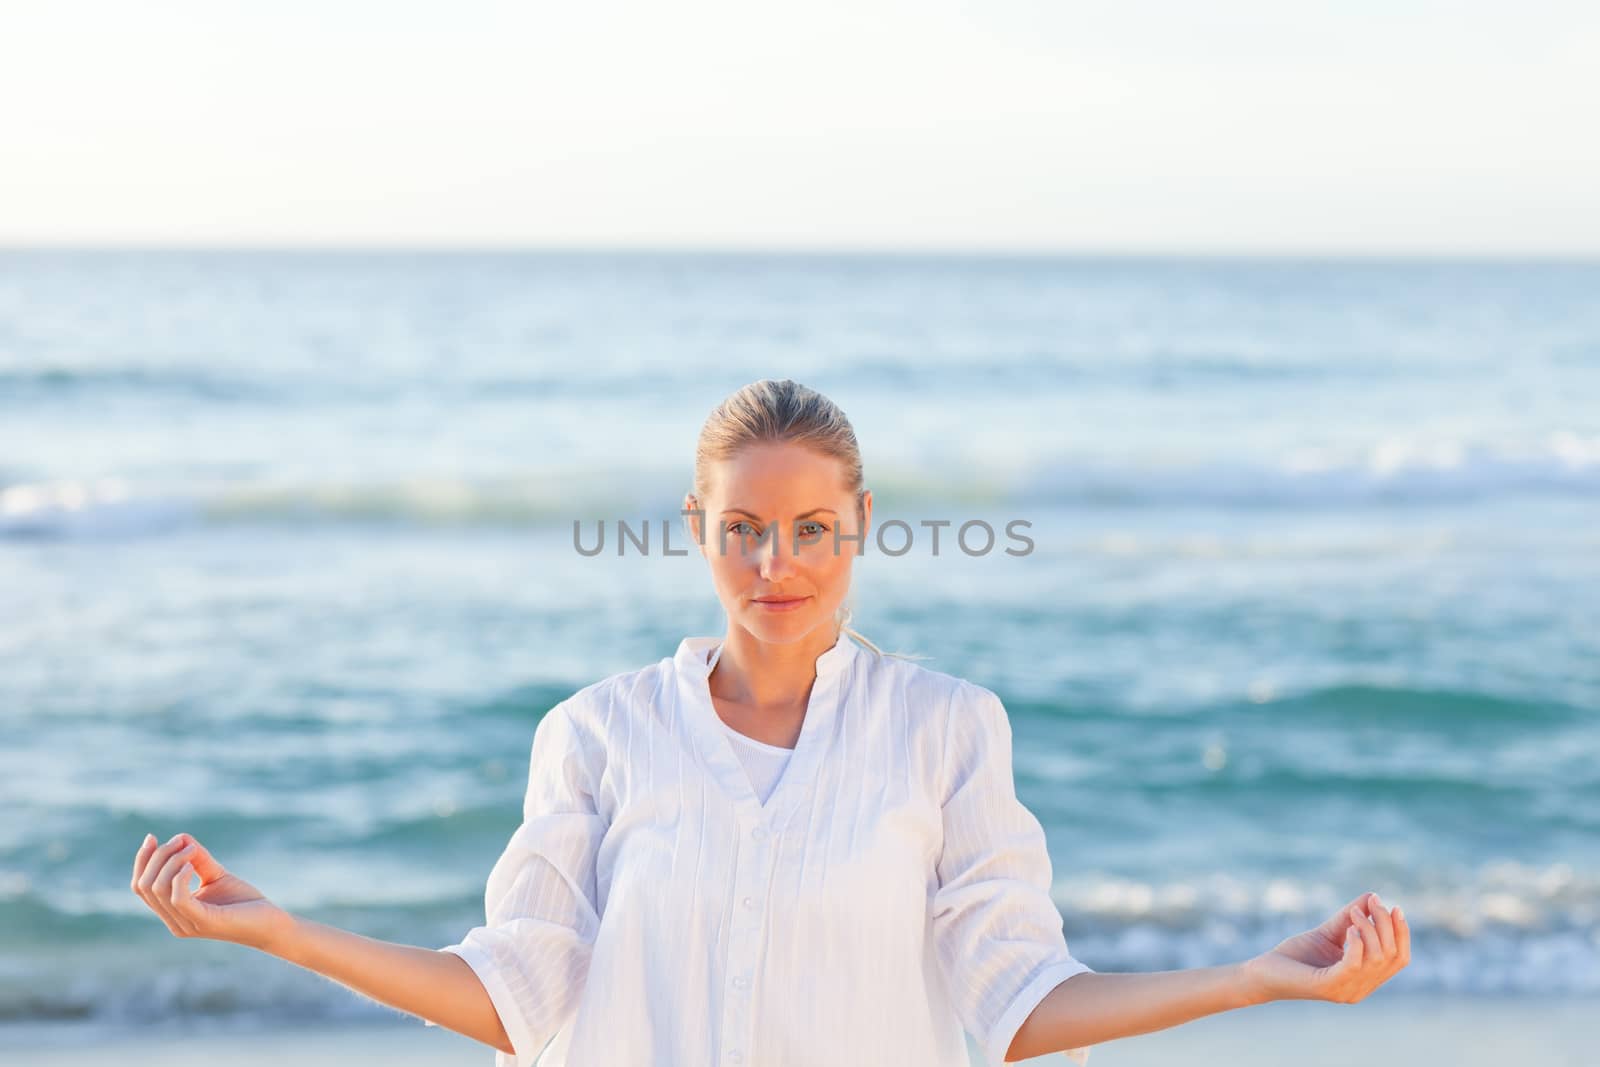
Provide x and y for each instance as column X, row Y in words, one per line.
column 780, row 250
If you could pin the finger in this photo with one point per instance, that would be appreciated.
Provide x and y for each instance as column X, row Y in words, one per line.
column 1384, row 924
column 169, row 870
column 153, row 900
column 1402, row 937
column 1340, row 920
column 205, row 864
column 183, row 902
column 1369, row 934
column 152, row 864
column 1354, row 947
column 147, row 846
column 166, row 888
column 158, row 902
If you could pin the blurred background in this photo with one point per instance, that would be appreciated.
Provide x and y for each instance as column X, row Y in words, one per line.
column 319, row 328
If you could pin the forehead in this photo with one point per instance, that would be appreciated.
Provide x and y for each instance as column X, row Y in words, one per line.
column 778, row 477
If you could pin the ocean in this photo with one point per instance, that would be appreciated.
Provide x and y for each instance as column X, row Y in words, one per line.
column 1311, row 605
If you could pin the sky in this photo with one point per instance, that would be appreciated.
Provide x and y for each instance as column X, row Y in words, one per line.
column 1137, row 126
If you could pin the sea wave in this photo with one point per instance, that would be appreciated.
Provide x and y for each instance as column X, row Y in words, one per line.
column 1389, row 474
column 1510, row 929
column 1391, row 471
column 33, row 385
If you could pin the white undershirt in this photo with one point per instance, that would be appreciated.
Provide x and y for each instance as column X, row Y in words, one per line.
column 764, row 763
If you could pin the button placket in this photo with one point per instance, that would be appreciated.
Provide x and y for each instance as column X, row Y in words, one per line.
column 744, row 938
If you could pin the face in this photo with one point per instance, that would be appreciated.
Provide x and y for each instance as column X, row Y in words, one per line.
column 781, row 505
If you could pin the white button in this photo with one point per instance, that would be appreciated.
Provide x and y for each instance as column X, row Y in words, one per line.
column 736, row 1056
column 758, row 833
column 749, row 902
column 739, row 983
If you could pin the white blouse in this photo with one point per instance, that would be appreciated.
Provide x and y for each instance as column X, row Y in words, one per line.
column 651, row 909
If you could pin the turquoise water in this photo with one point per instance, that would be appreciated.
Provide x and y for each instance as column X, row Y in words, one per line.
column 287, row 562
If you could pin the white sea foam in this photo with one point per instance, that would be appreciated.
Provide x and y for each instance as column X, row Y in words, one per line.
column 1390, row 472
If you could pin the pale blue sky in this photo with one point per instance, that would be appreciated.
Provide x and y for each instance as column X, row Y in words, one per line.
column 1234, row 126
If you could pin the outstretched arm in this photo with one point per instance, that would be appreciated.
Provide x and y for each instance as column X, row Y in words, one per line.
column 1343, row 960
column 1096, row 1006
column 431, row 984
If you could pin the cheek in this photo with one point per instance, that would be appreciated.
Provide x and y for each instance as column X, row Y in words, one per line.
column 830, row 571
column 730, row 572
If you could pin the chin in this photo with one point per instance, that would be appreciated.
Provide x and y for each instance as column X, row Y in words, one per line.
column 782, row 628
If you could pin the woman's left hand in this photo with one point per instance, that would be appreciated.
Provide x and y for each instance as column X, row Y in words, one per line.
column 1358, row 949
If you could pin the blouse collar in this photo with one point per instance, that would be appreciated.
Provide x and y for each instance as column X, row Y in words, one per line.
column 715, row 748
column 694, row 653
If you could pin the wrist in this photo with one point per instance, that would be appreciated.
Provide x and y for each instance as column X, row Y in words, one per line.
column 1249, row 987
column 277, row 937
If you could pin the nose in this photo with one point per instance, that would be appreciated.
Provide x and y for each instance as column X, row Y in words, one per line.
column 776, row 562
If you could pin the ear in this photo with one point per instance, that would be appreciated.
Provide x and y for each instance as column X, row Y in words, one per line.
column 866, row 514
column 693, row 521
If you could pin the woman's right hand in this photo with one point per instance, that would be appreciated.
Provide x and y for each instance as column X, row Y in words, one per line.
column 224, row 907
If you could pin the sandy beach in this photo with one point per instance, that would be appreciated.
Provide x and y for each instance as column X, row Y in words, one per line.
column 1383, row 1032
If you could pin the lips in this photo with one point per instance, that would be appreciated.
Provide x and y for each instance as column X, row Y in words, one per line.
column 789, row 603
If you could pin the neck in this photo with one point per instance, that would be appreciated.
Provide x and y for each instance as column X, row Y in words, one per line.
column 766, row 676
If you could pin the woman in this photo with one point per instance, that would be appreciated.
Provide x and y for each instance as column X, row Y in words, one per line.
column 781, row 847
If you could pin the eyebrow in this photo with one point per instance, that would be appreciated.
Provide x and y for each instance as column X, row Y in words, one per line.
column 753, row 515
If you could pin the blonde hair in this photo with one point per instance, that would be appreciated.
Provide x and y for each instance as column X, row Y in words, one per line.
column 780, row 410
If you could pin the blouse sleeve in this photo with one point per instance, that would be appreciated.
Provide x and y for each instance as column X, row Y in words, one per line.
column 998, row 932
column 532, row 956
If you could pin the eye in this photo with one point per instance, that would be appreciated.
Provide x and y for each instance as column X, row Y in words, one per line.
column 820, row 528
column 735, row 527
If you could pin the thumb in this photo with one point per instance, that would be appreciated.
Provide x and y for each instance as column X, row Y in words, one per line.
column 1340, row 921
column 203, row 862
